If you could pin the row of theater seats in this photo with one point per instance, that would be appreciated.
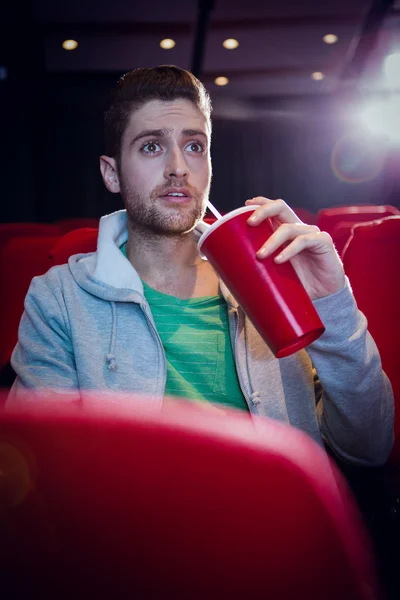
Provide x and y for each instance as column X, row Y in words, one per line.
column 338, row 221
column 182, row 505
column 371, row 256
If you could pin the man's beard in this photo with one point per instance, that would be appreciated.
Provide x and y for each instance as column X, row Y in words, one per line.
column 151, row 214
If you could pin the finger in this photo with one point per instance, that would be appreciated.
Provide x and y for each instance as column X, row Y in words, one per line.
column 286, row 232
column 259, row 200
column 272, row 208
column 320, row 242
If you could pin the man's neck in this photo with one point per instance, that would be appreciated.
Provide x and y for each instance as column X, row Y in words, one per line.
column 171, row 264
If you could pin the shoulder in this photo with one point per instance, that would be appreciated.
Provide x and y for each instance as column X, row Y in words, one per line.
column 55, row 278
column 51, row 288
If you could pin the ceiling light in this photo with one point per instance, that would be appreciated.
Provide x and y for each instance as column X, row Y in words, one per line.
column 230, row 44
column 69, row 44
column 317, row 76
column 167, row 44
column 221, row 81
column 330, row 38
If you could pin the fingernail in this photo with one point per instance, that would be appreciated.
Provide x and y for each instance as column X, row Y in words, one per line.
column 279, row 258
column 252, row 218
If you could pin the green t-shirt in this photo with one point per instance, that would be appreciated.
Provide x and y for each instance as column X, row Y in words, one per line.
column 195, row 336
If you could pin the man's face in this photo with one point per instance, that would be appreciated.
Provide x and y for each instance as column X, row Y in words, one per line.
column 166, row 149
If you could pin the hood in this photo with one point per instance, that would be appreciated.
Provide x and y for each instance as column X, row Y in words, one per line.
column 106, row 273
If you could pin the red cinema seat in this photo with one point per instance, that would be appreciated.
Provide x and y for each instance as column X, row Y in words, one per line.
column 182, row 504
column 328, row 218
column 372, row 262
column 78, row 241
column 11, row 230
column 341, row 234
column 306, row 216
column 21, row 259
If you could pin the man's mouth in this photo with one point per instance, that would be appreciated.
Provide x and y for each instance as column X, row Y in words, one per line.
column 177, row 195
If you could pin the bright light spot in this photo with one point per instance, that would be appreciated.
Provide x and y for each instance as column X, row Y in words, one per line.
column 167, row 44
column 70, row 44
column 392, row 70
column 230, row 44
column 330, row 38
column 317, row 76
column 382, row 118
column 221, row 81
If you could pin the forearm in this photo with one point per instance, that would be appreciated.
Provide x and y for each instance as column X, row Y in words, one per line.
column 356, row 413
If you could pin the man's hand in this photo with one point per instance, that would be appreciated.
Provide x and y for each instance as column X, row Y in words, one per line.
column 310, row 250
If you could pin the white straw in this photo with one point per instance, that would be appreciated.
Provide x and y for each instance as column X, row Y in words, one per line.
column 214, row 210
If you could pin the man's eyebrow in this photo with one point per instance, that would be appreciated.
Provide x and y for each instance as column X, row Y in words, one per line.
column 165, row 132
column 150, row 133
column 192, row 132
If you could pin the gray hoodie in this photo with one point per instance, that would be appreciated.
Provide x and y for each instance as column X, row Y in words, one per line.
column 87, row 326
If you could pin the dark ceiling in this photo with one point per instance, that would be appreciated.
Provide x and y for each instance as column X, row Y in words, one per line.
column 280, row 42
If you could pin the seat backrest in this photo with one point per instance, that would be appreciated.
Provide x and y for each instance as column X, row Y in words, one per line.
column 306, row 215
column 75, row 242
column 181, row 504
column 327, row 218
column 21, row 259
column 11, row 230
column 341, row 234
column 372, row 262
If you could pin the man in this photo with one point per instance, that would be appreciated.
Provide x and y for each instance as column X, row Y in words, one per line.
column 146, row 315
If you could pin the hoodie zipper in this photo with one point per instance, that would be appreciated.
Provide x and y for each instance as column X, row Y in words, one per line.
column 161, row 347
column 240, row 379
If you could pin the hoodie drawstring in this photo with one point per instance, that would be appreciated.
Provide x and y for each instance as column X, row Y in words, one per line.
column 110, row 358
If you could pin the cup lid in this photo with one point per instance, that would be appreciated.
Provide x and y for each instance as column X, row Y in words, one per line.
column 227, row 217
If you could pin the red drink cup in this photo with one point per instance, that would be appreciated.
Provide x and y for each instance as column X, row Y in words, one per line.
column 271, row 294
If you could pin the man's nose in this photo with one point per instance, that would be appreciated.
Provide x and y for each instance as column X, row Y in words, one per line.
column 176, row 164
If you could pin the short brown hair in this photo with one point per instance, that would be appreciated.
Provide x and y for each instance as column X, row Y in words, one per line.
column 135, row 88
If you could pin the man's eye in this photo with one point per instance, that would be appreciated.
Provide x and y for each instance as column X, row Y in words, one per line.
column 195, row 147
column 150, row 147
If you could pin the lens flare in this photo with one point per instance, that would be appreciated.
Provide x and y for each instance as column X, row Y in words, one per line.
column 357, row 158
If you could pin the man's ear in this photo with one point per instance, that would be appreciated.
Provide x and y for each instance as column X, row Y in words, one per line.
column 109, row 173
